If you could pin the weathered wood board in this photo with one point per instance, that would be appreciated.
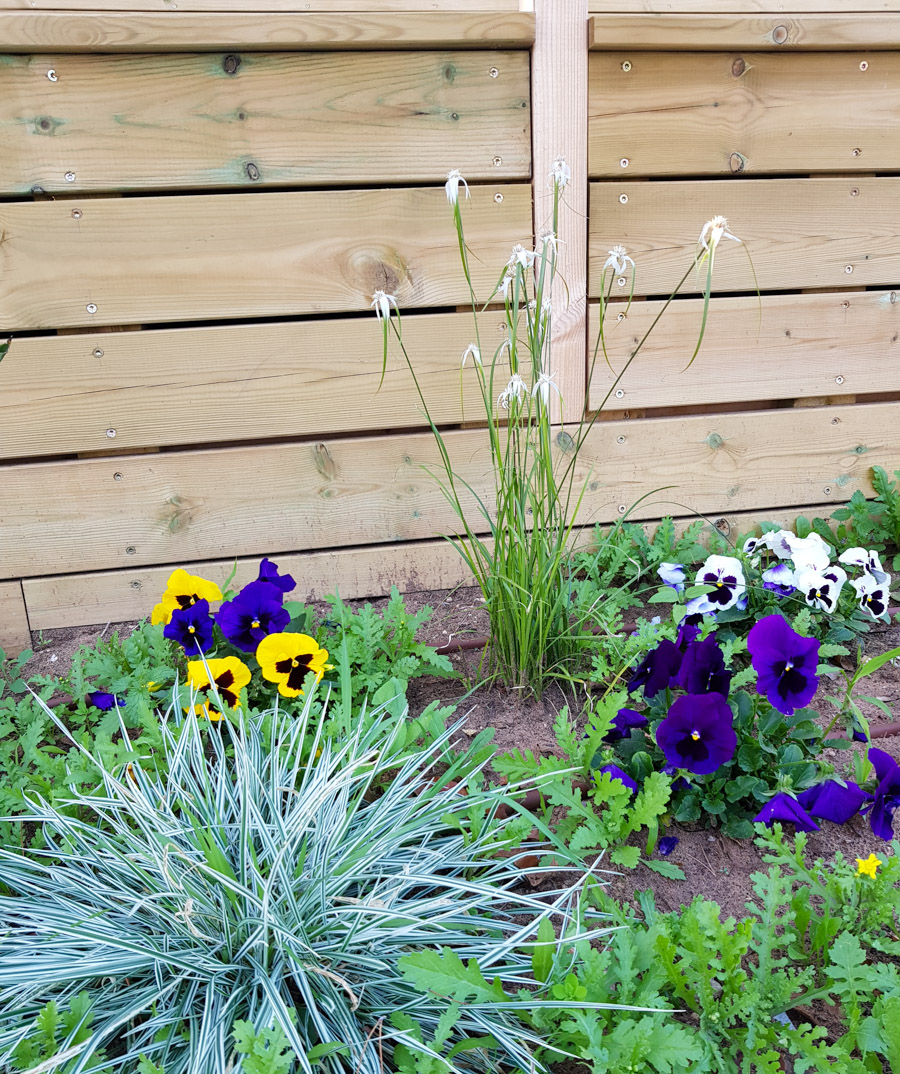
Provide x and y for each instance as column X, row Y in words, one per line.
column 821, row 233
column 235, row 120
column 719, row 33
column 15, row 634
column 696, row 113
column 186, row 31
column 63, row 394
column 728, row 7
column 185, row 506
column 140, row 260
column 773, row 347
column 262, row 8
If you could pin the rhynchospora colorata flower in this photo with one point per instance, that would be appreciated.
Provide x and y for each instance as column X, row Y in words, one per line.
column 560, row 174
column 713, row 232
column 381, row 303
column 618, row 260
column 454, row 179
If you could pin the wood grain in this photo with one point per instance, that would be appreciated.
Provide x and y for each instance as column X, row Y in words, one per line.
column 245, row 121
column 63, row 394
column 141, row 260
column 738, row 7
column 696, row 113
column 721, row 33
column 15, row 634
column 779, row 347
column 185, row 506
column 799, row 232
column 265, row 7
column 64, row 32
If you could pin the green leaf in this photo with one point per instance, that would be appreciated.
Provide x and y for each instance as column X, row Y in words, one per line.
column 664, row 868
column 326, row 1048
column 875, row 663
column 666, row 595
column 542, row 957
column 627, row 856
column 445, row 974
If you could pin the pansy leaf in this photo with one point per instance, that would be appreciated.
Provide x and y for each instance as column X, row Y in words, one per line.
column 749, row 756
column 688, row 809
column 665, row 868
column 770, row 721
column 878, row 703
column 790, row 754
column 664, row 596
column 837, row 744
column 738, row 828
column 876, row 662
column 698, row 591
column 714, row 807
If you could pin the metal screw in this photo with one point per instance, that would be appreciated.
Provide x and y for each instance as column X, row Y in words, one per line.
column 854, row 192
column 620, row 394
column 622, row 508
column 626, row 66
column 130, row 550
column 845, row 305
column 864, row 66
column 98, row 352
column 620, row 317
column 623, row 199
column 69, row 177
column 135, row 585
column 827, row 490
column 91, row 307
column 118, row 477
column 496, row 161
column 77, row 214
column 620, row 439
column 501, row 327
column 838, row 380
column 624, row 162
column 111, row 433
column 498, row 197
column 493, row 72
column 848, row 269
column 835, row 421
column 855, row 152
column 621, row 281
column 51, row 74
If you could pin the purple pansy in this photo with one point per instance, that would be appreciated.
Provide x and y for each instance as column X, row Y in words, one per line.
column 786, row 810
column 834, row 801
column 254, row 613
column 103, row 701
column 785, row 663
column 688, row 630
column 697, row 734
column 703, row 669
column 887, row 794
column 623, row 721
column 268, row 572
column 192, row 628
column 856, row 730
column 657, row 670
column 726, row 575
column 673, row 575
column 667, row 844
column 614, row 772
column 779, row 580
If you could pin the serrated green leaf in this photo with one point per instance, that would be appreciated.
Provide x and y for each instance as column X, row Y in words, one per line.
column 444, row 974
column 664, row 868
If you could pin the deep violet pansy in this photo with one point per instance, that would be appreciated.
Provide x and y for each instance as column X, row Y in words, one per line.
column 698, row 734
column 785, row 663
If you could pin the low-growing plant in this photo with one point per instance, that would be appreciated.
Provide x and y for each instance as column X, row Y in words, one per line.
column 871, row 522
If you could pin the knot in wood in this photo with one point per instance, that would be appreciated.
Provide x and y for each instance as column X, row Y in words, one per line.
column 231, row 63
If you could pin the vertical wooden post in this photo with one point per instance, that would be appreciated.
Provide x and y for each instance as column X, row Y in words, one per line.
column 559, row 90
column 15, row 634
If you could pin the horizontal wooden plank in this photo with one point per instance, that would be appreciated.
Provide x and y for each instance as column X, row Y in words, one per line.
column 186, row 506
column 702, row 113
column 719, row 33
column 186, row 31
column 194, row 121
column 782, row 347
column 734, row 7
column 817, row 233
column 64, row 394
column 15, row 634
column 265, row 7
column 112, row 261
column 67, row 600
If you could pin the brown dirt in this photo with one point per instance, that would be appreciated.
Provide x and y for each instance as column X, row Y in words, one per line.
column 714, row 865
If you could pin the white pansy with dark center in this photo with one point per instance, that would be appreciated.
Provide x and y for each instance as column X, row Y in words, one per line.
column 726, row 575
column 777, row 541
column 454, row 178
column 869, row 560
column 821, row 589
column 809, row 553
column 873, row 594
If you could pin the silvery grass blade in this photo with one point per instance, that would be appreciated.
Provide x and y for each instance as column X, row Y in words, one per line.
column 267, row 873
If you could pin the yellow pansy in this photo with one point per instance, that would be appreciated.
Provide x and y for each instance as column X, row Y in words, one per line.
column 288, row 658
column 868, row 866
column 228, row 676
column 183, row 591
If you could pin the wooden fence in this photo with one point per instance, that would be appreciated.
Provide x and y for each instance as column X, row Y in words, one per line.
column 198, row 201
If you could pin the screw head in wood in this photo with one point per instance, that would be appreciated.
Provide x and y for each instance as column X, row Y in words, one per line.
column 624, row 162
column 620, row 439
column 130, row 550
column 827, row 490
column 623, row 199
column 621, row 281
column 496, row 161
column 97, row 352
column 854, row 192
column 620, row 317
column 845, row 305
column 111, row 434
column 77, row 214
column 864, row 66
column 498, row 197
column 118, row 477
column 91, row 307
column 855, row 152
column 838, row 380
column 620, row 394
column 493, row 72
column 622, row 508
column 52, row 75
column 69, row 177
column 626, row 65
column 848, row 269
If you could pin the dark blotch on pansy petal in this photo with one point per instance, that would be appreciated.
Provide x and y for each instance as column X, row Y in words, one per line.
column 833, row 801
column 703, row 670
column 785, row 663
column 786, row 810
column 268, row 572
column 667, row 844
column 697, row 734
column 657, row 670
column 103, row 701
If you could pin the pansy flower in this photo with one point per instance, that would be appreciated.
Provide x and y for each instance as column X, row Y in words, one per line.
column 786, row 810
column 268, row 572
column 703, row 669
column 623, row 721
column 779, row 580
column 287, row 659
column 688, row 630
column 809, row 553
column 192, row 628
column 869, row 560
column 614, row 772
column 667, row 844
column 103, row 701
column 778, row 542
column 785, row 663
column 887, row 794
column 834, row 800
column 873, row 595
column 182, row 591
column 821, row 589
column 673, row 575
column 726, row 575
column 657, row 670
column 697, row 734
column 215, row 680
column 254, row 613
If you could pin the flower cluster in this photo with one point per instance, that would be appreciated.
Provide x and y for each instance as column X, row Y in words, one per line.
column 253, row 622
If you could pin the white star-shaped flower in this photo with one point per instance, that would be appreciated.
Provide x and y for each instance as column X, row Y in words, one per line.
column 381, row 303
column 713, row 232
column 454, row 178
column 618, row 260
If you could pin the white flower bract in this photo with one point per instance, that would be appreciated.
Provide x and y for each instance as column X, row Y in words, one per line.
column 381, row 303
column 454, row 179
column 560, row 174
column 542, row 388
column 713, row 232
column 618, row 261
column 516, row 389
